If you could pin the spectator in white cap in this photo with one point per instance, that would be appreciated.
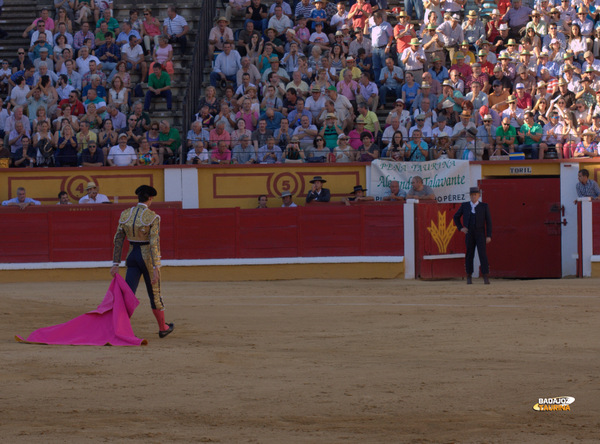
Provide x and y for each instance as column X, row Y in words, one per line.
column 524, row 100
column 492, row 25
column 343, row 152
column 401, row 112
column 553, row 132
column 486, row 135
column 500, row 41
column 122, row 154
column 443, row 148
column 451, row 34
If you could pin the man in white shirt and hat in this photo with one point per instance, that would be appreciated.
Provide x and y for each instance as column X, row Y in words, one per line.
column 93, row 196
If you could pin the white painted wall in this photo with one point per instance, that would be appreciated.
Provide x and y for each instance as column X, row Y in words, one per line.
column 181, row 185
column 568, row 179
column 409, row 239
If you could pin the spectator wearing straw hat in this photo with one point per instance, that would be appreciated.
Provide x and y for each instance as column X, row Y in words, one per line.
column 438, row 71
column 514, row 113
column 218, row 35
column 460, row 129
column 424, row 93
column 93, row 196
column 432, row 44
column 413, row 59
column 473, row 30
column 287, row 200
column 404, row 31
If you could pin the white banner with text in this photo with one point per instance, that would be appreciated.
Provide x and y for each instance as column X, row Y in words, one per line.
column 449, row 178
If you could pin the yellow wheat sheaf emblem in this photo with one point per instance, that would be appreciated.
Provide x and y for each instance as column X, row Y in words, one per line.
column 442, row 233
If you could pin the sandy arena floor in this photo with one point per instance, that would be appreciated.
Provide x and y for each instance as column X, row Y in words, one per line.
column 312, row 361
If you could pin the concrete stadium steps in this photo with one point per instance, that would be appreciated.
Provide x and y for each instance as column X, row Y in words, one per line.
column 15, row 18
column 179, row 79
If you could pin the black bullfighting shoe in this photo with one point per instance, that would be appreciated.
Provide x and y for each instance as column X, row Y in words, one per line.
column 165, row 333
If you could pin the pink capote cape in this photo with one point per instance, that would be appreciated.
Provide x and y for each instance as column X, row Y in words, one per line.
column 107, row 325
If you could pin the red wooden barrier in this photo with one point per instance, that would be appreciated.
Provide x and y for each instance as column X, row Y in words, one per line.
column 596, row 223
column 436, row 237
column 85, row 233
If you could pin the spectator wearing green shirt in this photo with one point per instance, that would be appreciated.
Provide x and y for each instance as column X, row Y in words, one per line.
column 101, row 32
column 530, row 135
column 159, row 84
column 113, row 23
column 506, row 136
column 169, row 142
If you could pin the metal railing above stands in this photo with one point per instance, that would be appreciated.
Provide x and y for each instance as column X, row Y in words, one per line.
column 199, row 54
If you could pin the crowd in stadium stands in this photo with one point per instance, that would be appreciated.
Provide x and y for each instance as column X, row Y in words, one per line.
column 69, row 99
column 314, row 81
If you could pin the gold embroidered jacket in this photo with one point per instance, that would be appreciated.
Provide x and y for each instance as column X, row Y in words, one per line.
column 138, row 224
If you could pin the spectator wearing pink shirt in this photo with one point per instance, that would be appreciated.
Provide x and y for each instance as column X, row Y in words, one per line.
column 219, row 134
column 249, row 116
column 221, row 154
column 348, row 87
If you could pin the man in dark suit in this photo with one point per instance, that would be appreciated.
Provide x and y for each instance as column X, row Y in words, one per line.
column 477, row 225
column 318, row 193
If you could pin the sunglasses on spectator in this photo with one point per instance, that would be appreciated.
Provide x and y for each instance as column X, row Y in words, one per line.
column 21, row 53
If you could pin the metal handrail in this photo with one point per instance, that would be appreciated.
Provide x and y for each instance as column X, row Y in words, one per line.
column 196, row 73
